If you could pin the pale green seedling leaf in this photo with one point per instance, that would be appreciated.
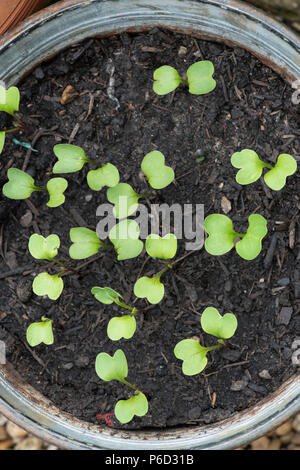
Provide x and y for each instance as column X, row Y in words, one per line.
column 158, row 174
column 199, row 76
column 9, row 100
column 85, row 243
column 19, row 186
column 111, row 368
column 2, row 140
column 193, row 356
column 166, row 79
column 161, row 247
column 43, row 248
column 71, row 158
column 149, row 288
column 250, row 245
column 105, row 295
column 214, row 324
column 47, row 284
column 124, row 236
column 40, row 332
column 121, row 327
column 56, row 188
column 251, row 166
column 107, row 175
column 124, row 198
column 221, row 234
column 126, row 409
column 286, row 166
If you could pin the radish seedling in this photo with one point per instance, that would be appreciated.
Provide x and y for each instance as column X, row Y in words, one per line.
column 158, row 174
column 192, row 353
column 222, row 236
column 72, row 158
column 115, row 368
column 40, row 332
column 251, row 168
column 118, row 327
column 46, row 249
column 199, row 79
column 157, row 247
column 125, row 238
column 21, row 186
column 9, row 103
column 85, row 243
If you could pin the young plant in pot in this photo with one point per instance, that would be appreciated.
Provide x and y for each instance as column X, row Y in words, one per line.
column 121, row 295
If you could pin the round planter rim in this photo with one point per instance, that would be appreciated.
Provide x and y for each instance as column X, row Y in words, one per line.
column 69, row 22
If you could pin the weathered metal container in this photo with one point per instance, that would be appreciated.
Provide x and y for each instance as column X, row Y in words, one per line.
column 40, row 38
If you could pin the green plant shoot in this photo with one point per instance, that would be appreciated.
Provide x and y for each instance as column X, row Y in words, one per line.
column 161, row 247
column 220, row 327
column 72, row 158
column 158, row 174
column 43, row 248
column 47, row 284
column 124, row 236
column 9, row 100
column 56, row 188
column 21, row 186
column 125, row 200
column 118, row 327
column 222, row 236
column 85, row 243
column 251, row 168
column 149, row 288
column 199, row 79
column 115, row 368
column 2, row 140
column 40, row 332
column 193, row 355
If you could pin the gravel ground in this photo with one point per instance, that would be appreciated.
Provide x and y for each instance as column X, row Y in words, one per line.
column 286, row 437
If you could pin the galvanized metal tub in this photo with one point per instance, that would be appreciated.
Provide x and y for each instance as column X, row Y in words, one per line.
column 38, row 39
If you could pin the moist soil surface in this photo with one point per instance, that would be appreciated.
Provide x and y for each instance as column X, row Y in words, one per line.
column 116, row 117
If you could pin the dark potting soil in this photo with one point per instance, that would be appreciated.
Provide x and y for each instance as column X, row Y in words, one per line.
column 116, row 117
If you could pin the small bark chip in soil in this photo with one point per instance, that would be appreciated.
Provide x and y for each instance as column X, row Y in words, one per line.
column 250, row 108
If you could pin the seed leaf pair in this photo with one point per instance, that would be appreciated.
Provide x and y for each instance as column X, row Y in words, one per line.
column 193, row 355
column 251, row 168
column 199, row 79
column 157, row 247
column 222, row 236
column 115, row 368
column 72, row 158
column 40, row 332
column 21, row 186
column 118, row 327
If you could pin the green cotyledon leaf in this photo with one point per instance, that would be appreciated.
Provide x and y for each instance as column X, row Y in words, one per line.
column 158, row 174
column 193, row 356
column 111, row 368
column 220, row 327
column 126, row 409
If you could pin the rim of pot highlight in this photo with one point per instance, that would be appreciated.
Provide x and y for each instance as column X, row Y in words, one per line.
column 41, row 37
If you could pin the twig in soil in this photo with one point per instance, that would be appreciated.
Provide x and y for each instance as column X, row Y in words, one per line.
column 16, row 271
column 83, row 265
column 270, row 253
column 73, row 133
